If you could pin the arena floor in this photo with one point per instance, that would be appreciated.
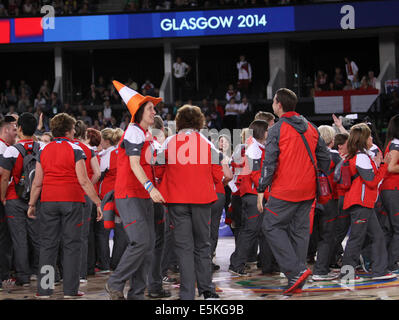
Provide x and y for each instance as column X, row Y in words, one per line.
column 229, row 287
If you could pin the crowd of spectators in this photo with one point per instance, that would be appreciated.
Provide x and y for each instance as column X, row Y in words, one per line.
column 16, row 8
column 349, row 79
column 98, row 108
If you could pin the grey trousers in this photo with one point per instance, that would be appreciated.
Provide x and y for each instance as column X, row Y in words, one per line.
column 216, row 214
column 327, row 240
column 5, row 246
column 390, row 200
column 87, row 208
column 61, row 219
column 138, row 221
column 364, row 222
column 251, row 228
column 286, row 226
column 120, row 243
column 24, row 235
column 236, row 215
column 193, row 248
column 155, row 274
column 169, row 257
column 342, row 225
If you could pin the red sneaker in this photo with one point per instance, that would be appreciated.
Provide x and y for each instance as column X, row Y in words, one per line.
column 297, row 281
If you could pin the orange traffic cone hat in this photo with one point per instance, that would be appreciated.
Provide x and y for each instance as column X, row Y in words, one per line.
column 132, row 98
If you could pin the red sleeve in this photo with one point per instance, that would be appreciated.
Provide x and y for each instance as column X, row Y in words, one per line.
column 217, row 173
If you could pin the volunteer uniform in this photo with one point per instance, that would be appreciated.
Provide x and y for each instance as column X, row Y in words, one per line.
column 61, row 212
column 217, row 207
column 87, row 209
column 390, row 201
column 188, row 187
column 23, row 230
column 108, row 169
column 5, row 238
column 237, row 163
column 251, row 227
column 136, row 211
column 287, row 168
column 327, row 223
column 155, row 275
column 359, row 202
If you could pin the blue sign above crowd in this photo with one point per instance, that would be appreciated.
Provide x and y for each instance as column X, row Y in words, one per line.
column 334, row 16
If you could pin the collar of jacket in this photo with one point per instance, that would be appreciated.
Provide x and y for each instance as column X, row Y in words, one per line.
column 289, row 114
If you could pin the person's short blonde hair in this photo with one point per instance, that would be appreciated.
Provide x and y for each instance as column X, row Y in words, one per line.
column 327, row 133
column 112, row 135
column 245, row 134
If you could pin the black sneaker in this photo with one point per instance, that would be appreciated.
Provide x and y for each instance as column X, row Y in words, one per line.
column 160, row 294
column 335, row 267
column 215, row 267
column 208, row 295
column 241, row 272
column 169, row 280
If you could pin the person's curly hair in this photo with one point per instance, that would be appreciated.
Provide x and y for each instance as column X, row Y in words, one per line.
column 94, row 137
column 61, row 124
column 190, row 117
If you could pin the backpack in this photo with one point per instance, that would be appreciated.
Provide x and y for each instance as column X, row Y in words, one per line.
column 24, row 186
column 343, row 176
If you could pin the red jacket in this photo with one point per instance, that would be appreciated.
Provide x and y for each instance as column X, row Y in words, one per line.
column 391, row 180
column 217, row 173
column 189, row 176
column 255, row 155
column 135, row 142
column 287, row 167
column 364, row 188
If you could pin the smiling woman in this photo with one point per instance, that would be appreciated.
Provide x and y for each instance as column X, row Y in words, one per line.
column 134, row 197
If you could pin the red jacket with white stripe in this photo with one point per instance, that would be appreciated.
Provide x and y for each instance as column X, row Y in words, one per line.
column 108, row 165
column 189, row 175
column 254, row 156
column 364, row 188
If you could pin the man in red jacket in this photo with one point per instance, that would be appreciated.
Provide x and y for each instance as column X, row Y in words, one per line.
column 288, row 170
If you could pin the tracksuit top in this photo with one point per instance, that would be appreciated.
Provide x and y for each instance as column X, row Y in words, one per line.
column 391, row 180
column 190, row 171
column 335, row 159
column 108, row 168
column 12, row 161
column 135, row 142
column 3, row 147
column 218, row 178
column 287, row 167
column 89, row 154
column 58, row 160
column 237, row 164
column 254, row 156
column 364, row 188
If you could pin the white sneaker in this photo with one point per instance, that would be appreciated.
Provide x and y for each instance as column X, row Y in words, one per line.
column 33, row 277
column 83, row 281
column 385, row 277
column 325, row 277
